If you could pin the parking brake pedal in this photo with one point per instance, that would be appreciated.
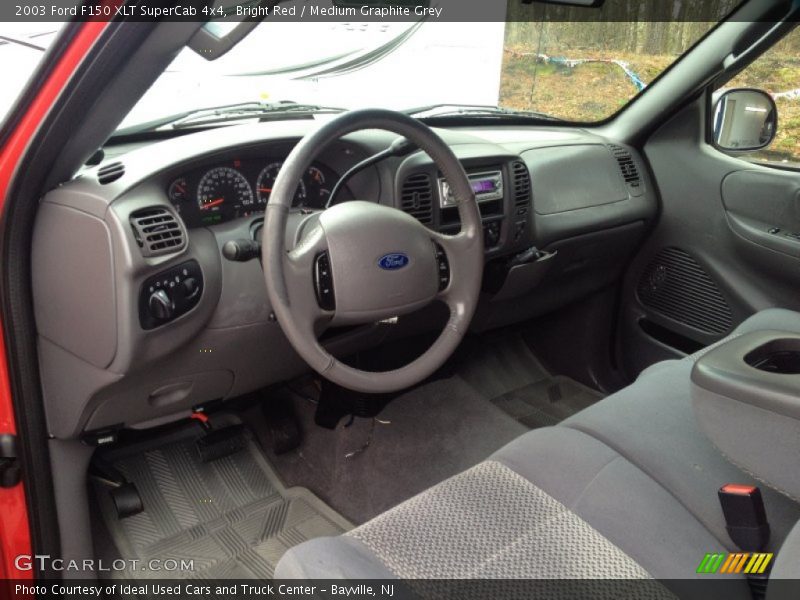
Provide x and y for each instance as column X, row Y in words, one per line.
column 218, row 443
column 124, row 495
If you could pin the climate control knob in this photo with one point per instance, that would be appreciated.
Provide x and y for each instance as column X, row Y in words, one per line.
column 160, row 305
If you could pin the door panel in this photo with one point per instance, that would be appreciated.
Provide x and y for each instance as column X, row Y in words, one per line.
column 711, row 260
column 764, row 208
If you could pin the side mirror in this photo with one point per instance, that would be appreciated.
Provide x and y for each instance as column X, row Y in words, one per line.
column 744, row 120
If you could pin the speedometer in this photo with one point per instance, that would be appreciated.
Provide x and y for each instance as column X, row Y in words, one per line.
column 266, row 180
column 224, row 189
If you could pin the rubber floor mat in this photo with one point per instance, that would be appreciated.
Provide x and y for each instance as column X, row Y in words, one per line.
column 546, row 402
column 228, row 518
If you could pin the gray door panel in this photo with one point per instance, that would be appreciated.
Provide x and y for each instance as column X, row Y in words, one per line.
column 711, row 260
column 763, row 207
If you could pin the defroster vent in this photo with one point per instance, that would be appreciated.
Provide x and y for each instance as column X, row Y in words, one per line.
column 628, row 169
column 157, row 231
column 676, row 286
column 416, row 197
column 110, row 172
column 522, row 186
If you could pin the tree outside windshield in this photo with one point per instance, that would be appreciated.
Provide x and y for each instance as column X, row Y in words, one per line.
column 588, row 71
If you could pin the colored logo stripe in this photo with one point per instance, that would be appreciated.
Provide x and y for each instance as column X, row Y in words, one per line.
column 737, row 562
column 710, row 563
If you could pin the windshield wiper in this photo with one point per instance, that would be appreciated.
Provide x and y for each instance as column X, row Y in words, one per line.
column 254, row 111
column 10, row 40
column 229, row 112
column 436, row 111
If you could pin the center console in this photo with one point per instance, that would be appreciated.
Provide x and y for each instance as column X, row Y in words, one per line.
column 746, row 396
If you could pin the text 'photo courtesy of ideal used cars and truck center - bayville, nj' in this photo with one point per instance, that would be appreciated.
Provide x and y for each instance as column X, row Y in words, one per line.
column 394, row 299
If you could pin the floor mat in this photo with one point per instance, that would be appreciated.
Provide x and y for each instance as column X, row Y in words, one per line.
column 422, row 437
column 503, row 368
column 231, row 517
column 498, row 363
column 493, row 391
column 547, row 402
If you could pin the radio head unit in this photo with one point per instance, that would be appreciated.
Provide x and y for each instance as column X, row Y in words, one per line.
column 487, row 186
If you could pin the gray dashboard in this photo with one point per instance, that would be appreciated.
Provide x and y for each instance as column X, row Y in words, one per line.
column 108, row 240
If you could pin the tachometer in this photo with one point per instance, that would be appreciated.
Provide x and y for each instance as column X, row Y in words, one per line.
column 224, row 189
column 266, row 179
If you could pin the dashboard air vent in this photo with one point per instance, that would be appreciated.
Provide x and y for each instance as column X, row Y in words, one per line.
column 675, row 285
column 522, row 186
column 416, row 197
column 157, row 231
column 110, row 172
column 628, row 169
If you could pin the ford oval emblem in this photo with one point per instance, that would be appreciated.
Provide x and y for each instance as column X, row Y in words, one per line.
column 393, row 261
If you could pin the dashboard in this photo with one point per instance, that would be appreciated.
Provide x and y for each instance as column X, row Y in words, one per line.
column 235, row 188
column 162, row 319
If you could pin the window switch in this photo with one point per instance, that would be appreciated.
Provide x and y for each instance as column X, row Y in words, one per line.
column 774, row 230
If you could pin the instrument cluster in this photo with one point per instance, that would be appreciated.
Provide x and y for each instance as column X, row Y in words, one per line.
column 239, row 188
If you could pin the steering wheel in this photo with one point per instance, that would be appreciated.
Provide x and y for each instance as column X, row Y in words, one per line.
column 363, row 262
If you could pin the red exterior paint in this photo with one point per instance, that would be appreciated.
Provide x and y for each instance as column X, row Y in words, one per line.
column 14, row 530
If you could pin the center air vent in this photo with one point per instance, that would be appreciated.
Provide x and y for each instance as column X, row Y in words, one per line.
column 522, row 187
column 157, row 231
column 416, row 197
column 628, row 169
column 110, row 172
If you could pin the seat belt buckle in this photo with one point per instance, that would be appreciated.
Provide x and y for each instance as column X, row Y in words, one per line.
column 745, row 517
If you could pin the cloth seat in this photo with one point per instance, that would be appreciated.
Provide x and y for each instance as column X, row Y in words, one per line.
column 624, row 489
column 651, row 423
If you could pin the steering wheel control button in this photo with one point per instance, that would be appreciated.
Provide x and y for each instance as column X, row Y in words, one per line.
column 323, row 282
column 170, row 294
column 443, row 268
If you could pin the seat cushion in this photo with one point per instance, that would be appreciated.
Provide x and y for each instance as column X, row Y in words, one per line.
column 784, row 580
column 553, row 504
column 651, row 423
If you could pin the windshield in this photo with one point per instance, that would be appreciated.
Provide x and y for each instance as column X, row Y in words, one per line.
column 575, row 71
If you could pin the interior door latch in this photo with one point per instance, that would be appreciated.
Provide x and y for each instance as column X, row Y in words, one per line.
column 10, row 473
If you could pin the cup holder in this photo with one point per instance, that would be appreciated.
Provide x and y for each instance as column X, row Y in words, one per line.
column 780, row 356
